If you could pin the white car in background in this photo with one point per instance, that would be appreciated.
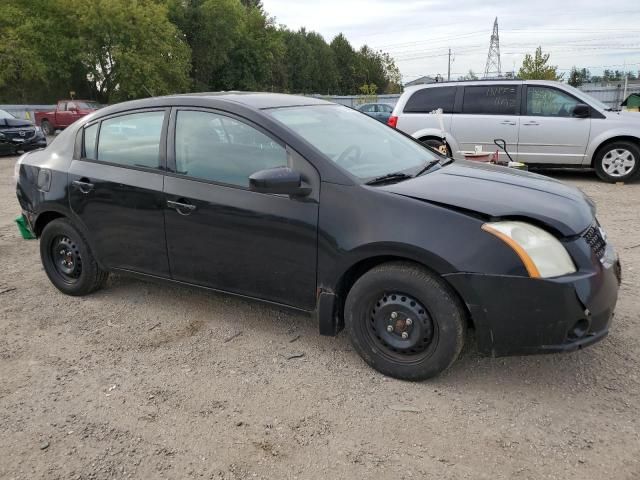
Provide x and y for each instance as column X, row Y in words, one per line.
column 544, row 123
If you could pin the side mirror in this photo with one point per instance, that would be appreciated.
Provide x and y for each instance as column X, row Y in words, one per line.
column 581, row 110
column 280, row 180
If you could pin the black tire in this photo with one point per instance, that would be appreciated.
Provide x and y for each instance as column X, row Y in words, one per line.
column 435, row 336
column 617, row 161
column 47, row 128
column 436, row 144
column 68, row 261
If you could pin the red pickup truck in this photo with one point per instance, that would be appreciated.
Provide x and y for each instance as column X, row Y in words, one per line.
column 66, row 112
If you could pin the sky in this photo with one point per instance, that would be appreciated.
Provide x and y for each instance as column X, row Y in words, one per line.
column 418, row 33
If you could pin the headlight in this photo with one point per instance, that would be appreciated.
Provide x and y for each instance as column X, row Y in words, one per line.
column 542, row 254
column 16, row 170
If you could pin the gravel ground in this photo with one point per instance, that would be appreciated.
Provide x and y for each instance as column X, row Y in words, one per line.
column 144, row 380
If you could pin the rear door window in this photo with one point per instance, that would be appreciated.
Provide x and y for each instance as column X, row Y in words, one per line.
column 132, row 140
column 427, row 100
column 90, row 136
column 491, row 100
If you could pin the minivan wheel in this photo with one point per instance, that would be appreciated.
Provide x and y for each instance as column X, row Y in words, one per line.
column 68, row 261
column 405, row 321
column 617, row 161
column 437, row 144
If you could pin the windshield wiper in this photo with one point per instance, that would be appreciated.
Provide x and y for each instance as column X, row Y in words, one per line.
column 427, row 166
column 389, row 177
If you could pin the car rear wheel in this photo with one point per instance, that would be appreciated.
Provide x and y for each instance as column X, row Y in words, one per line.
column 617, row 161
column 68, row 261
column 47, row 128
column 405, row 321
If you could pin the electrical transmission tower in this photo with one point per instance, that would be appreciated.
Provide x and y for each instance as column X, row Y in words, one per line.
column 493, row 68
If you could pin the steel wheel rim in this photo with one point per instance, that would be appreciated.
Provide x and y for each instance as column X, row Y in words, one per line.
column 618, row 162
column 66, row 259
column 393, row 314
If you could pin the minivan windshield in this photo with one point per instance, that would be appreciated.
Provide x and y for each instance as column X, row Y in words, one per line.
column 364, row 147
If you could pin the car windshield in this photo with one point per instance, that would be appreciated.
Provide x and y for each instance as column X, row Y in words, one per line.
column 87, row 105
column 358, row 143
column 5, row 114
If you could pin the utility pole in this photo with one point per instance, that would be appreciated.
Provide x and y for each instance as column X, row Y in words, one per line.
column 449, row 68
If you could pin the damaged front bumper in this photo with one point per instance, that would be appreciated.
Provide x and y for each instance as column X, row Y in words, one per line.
column 520, row 315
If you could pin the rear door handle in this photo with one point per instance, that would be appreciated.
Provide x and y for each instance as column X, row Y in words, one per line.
column 83, row 185
column 531, row 124
column 181, row 207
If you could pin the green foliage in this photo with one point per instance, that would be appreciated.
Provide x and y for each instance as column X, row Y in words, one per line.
column 369, row 94
column 536, row 67
column 113, row 50
column 130, row 49
column 469, row 76
column 578, row 77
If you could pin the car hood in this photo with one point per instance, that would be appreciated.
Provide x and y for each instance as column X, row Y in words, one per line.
column 7, row 123
column 502, row 192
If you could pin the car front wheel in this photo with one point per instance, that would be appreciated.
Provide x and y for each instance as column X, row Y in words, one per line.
column 47, row 128
column 617, row 162
column 68, row 261
column 405, row 321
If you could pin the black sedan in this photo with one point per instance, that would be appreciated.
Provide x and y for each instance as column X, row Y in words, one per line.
column 314, row 206
column 19, row 135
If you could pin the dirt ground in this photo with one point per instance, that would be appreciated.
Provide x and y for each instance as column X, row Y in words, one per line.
column 142, row 380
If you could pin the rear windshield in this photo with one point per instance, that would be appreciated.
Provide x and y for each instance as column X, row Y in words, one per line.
column 427, row 100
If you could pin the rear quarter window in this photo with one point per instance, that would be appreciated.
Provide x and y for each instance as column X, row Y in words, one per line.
column 427, row 100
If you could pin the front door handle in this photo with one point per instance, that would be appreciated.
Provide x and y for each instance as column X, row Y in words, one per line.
column 83, row 185
column 181, row 207
column 507, row 122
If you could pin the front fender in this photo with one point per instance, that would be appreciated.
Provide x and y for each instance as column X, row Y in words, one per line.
column 605, row 136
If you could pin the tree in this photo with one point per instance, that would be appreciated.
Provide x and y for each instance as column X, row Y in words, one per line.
column 129, row 49
column 345, row 58
column 579, row 77
column 469, row 76
column 38, row 52
column 392, row 73
column 536, row 67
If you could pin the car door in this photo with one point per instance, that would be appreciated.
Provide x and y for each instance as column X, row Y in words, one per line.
column 224, row 236
column 115, row 190
column 488, row 112
column 63, row 115
column 369, row 109
column 74, row 112
column 549, row 132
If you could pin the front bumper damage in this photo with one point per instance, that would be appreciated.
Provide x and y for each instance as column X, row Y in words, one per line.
column 520, row 315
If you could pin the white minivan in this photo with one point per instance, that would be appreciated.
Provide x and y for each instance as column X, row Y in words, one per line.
column 544, row 123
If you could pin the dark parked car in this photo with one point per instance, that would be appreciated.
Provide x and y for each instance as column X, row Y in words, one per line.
column 19, row 135
column 299, row 202
column 379, row 111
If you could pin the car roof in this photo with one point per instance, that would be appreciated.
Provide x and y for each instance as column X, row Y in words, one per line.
column 487, row 81
column 260, row 100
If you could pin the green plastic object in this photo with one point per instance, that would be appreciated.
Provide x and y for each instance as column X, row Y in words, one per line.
column 24, row 230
